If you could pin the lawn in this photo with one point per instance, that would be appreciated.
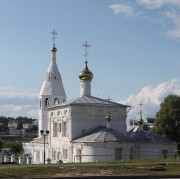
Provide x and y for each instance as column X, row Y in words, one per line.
column 155, row 168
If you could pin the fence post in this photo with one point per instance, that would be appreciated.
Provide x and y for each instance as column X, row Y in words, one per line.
column 12, row 158
column 20, row 160
column 1, row 159
column 28, row 161
column 6, row 159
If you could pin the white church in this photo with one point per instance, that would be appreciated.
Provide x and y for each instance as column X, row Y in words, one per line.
column 88, row 129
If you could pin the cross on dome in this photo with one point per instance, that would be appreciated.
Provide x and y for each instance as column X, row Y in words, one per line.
column 54, row 33
column 86, row 74
column 140, row 112
column 86, row 45
column 141, row 121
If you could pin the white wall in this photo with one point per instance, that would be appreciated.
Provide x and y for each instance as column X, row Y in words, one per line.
column 86, row 118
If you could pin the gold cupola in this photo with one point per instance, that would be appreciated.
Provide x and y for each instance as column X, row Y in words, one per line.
column 86, row 74
column 53, row 49
column 108, row 117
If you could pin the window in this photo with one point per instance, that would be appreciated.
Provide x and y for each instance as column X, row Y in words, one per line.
column 164, row 153
column 59, row 127
column 118, row 153
column 46, row 103
column 56, row 101
column 51, row 114
column 64, row 131
column 58, row 113
column 65, row 112
column 78, row 155
column 59, row 157
column 55, row 129
column 37, row 155
column 65, row 153
column 54, row 155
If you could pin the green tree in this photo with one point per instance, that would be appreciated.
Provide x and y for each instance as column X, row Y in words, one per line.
column 167, row 121
column 1, row 144
column 20, row 125
column 17, row 148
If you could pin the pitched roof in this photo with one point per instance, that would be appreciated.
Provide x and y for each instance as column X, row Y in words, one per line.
column 52, row 84
column 90, row 100
column 102, row 134
column 148, row 137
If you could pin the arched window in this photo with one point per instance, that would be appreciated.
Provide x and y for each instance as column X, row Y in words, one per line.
column 64, row 129
column 56, row 101
column 55, row 130
column 60, row 127
column 46, row 104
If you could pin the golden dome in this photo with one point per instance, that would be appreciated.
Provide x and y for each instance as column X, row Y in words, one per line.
column 53, row 49
column 108, row 117
column 86, row 74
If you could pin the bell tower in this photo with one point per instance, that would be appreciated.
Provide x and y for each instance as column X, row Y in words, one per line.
column 52, row 91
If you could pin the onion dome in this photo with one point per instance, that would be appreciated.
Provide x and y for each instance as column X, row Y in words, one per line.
column 53, row 49
column 86, row 74
column 108, row 117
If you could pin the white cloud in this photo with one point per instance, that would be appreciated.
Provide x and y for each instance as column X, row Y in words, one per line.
column 10, row 110
column 162, row 16
column 175, row 17
column 17, row 102
column 8, row 92
column 33, row 113
column 154, row 4
column 151, row 98
column 170, row 12
column 122, row 9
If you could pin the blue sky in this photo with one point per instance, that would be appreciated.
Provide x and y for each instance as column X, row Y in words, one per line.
column 135, row 46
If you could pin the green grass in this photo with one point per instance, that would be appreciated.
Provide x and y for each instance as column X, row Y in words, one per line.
column 108, row 168
column 143, row 161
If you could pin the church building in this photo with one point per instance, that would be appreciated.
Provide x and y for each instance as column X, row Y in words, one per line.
column 88, row 128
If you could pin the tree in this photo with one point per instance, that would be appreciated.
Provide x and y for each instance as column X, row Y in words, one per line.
column 167, row 121
column 17, row 148
column 20, row 125
column 1, row 144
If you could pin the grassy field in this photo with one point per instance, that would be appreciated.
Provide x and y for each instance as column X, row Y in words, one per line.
column 144, row 167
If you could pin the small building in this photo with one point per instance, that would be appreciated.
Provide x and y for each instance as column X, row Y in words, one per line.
column 27, row 125
column 12, row 124
column 17, row 132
